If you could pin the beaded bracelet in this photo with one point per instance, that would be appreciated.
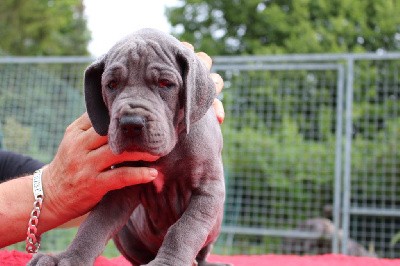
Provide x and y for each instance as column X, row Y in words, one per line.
column 32, row 239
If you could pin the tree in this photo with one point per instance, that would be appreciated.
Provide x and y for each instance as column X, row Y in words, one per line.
column 43, row 27
column 287, row 26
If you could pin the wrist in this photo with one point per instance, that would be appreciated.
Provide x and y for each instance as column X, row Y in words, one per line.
column 61, row 197
column 33, row 237
column 52, row 210
column 52, row 213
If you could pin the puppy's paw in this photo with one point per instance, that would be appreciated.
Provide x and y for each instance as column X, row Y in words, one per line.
column 43, row 260
column 57, row 260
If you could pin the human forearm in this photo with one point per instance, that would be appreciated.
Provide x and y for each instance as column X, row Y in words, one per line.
column 16, row 204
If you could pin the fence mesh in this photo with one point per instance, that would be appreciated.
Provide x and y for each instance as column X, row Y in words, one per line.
column 279, row 139
column 299, row 179
column 375, row 160
column 37, row 102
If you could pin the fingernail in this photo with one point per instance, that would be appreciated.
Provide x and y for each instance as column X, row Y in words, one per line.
column 221, row 115
column 153, row 172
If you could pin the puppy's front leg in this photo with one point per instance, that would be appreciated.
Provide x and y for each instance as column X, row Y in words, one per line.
column 103, row 222
column 188, row 235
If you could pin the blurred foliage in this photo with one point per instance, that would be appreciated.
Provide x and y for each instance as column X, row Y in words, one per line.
column 279, row 152
column 37, row 102
column 223, row 27
column 43, row 27
column 16, row 135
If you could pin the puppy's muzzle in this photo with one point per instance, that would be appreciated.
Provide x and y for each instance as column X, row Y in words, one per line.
column 132, row 125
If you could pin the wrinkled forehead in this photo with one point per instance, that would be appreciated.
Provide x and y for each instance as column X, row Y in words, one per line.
column 142, row 51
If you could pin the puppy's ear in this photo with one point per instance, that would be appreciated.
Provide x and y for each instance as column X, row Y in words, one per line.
column 199, row 88
column 95, row 106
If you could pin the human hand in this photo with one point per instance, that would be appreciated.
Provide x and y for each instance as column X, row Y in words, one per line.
column 219, row 83
column 81, row 173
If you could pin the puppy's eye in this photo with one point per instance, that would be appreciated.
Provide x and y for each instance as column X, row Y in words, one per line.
column 165, row 83
column 113, row 84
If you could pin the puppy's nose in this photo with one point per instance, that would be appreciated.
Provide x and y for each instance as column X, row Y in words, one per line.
column 132, row 124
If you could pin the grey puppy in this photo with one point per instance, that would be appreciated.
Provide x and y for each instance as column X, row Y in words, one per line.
column 152, row 95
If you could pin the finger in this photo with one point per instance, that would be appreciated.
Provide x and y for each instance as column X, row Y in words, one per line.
column 83, row 122
column 205, row 58
column 86, row 138
column 92, row 140
column 104, row 158
column 188, row 45
column 127, row 176
column 219, row 82
column 219, row 110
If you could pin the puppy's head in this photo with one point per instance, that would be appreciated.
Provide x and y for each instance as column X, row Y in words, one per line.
column 145, row 91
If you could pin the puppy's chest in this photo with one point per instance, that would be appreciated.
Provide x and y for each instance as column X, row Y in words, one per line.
column 166, row 198
column 176, row 173
column 170, row 193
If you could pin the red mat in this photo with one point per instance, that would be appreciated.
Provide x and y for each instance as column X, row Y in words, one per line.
column 18, row 258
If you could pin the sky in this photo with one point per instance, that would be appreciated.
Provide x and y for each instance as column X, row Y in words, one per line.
column 111, row 20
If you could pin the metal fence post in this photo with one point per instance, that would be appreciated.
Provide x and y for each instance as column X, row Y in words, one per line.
column 338, row 159
column 347, row 155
